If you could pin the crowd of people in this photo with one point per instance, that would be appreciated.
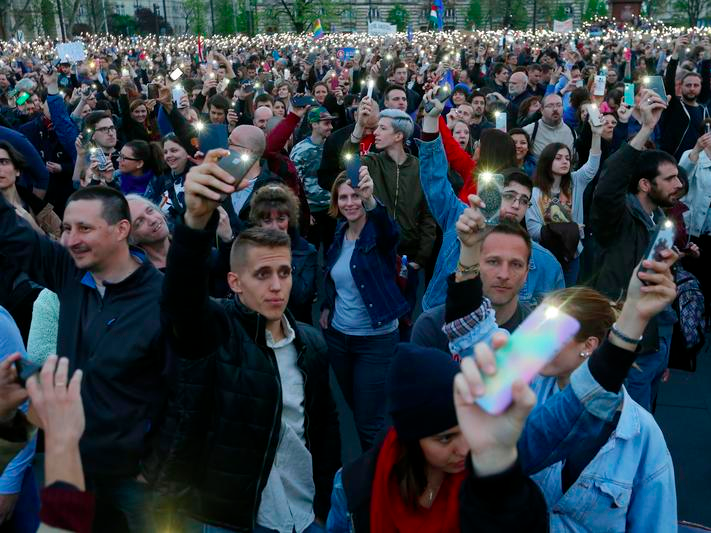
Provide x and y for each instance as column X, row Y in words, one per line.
column 198, row 235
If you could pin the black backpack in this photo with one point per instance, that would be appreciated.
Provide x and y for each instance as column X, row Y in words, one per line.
column 689, row 331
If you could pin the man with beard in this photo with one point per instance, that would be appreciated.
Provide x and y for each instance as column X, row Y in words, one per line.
column 681, row 122
column 478, row 122
column 550, row 128
column 634, row 187
column 518, row 92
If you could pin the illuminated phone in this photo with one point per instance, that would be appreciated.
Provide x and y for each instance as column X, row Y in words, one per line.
column 22, row 98
column 629, row 94
column 599, row 86
column 656, row 84
column 104, row 162
column 303, row 101
column 441, row 94
column 213, row 136
column 663, row 239
column 501, row 118
column 353, row 169
column 489, row 188
column 595, row 115
column 236, row 164
column 535, row 342
column 176, row 74
column 178, row 92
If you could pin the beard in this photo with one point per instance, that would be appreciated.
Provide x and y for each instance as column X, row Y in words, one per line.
column 659, row 199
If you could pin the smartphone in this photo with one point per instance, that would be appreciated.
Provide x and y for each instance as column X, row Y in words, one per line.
column 535, row 342
column 489, row 188
column 26, row 369
column 501, row 118
column 707, row 126
column 599, row 86
column 656, row 84
column 22, row 98
column 178, row 92
column 248, row 87
column 152, row 91
column 595, row 115
column 287, row 74
column 236, row 164
column 176, row 74
column 441, row 94
column 303, row 101
column 213, row 136
column 103, row 160
column 311, row 59
column 353, row 168
column 125, row 73
column 579, row 83
column 86, row 136
column 662, row 239
column 629, row 94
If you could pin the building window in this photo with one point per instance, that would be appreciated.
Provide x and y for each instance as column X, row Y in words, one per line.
column 374, row 14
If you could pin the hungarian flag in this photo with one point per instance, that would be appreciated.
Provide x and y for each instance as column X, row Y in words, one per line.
column 201, row 52
column 436, row 14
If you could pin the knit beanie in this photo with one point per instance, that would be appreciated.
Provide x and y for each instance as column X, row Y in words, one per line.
column 420, row 391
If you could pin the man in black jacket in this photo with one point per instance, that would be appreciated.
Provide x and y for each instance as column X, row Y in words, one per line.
column 109, row 328
column 627, row 206
column 253, row 435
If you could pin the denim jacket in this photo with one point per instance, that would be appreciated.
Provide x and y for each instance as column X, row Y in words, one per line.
column 372, row 268
column 699, row 196
column 628, row 486
column 544, row 272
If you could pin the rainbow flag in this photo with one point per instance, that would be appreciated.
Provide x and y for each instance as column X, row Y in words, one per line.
column 318, row 30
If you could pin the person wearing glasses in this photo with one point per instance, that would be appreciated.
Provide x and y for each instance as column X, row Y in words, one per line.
column 545, row 273
column 550, row 128
column 139, row 162
column 99, row 134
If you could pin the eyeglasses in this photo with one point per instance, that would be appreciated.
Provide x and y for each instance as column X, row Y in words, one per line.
column 106, row 129
column 126, row 158
column 553, row 106
column 512, row 197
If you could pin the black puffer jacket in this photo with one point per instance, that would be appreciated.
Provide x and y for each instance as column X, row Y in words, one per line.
column 221, row 431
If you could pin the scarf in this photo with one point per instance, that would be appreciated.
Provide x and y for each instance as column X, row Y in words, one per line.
column 390, row 514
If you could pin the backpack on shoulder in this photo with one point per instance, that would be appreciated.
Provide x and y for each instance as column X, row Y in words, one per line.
column 689, row 336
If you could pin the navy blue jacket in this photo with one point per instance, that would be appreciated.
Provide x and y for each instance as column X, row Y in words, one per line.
column 373, row 267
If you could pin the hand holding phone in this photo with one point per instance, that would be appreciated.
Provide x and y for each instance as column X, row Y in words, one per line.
column 662, row 239
column 441, row 94
column 489, row 188
column 656, row 84
column 236, row 164
column 629, row 94
column 353, row 169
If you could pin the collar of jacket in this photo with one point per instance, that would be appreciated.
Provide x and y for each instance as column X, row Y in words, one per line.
column 255, row 324
column 638, row 211
column 410, row 160
column 136, row 278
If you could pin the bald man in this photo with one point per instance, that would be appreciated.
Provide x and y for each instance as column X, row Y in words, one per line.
column 518, row 92
column 262, row 116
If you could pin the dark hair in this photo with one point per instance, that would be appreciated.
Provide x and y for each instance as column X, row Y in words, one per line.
column 114, row 207
column 498, row 67
column 477, row 94
column 615, row 95
column 265, row 97
column 521, row 131
column 172, row 137
column 496, row 151
column 516, row 175
column 543, row 176
column 18, row 161
column 689, row 75
column 534, row 66
column 102, row 105
column 150, row 153
column 526, row 106
column 256, row 237
column 93, row 118
column 273, row 197
column 218, row 101
column 113, row 90
column 409, row 470
column 393, row 87
column 647, row 167
column 508, row 227
column 322, row 83
column 579, row 96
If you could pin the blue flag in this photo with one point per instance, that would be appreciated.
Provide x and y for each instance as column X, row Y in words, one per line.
column 447, row 79
column 437, row 4
column 409, row 32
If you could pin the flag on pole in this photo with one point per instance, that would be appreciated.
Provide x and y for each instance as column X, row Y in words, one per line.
column 409, row 33
column 201, row 53
column 436, row 15
column 318, row 30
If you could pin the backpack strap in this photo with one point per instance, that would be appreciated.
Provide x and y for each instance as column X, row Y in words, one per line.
column 534, row 132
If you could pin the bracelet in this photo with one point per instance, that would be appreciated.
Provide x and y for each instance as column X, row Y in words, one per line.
column 615, row 331
column 467, row 270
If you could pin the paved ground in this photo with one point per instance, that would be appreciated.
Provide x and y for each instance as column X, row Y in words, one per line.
column 684, row 414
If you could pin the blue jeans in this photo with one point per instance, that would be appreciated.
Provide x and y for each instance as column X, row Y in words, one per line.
column 25, row 517
column 643, row 383
column 410, row 294
column 361, row 366
column 192, row 526
column 571, row 271
column 122, row 504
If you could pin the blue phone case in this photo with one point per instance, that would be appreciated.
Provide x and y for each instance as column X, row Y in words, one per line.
column 213, row 136
column 353, row 170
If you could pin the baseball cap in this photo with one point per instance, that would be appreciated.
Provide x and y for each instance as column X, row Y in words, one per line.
column 319, row 113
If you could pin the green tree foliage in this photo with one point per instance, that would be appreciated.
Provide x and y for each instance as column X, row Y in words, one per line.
column 224, row 17
column 303, row 13
column 519, row 15
column 47, row 13
column 195, row 13
column 398, row 16
column 474, row 15
column 122, row 25
column 692, row 8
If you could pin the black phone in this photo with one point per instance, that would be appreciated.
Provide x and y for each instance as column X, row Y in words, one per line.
column 213, row 136
column 26, row 369
column 441, row 94
column 303, row 101
column 353, row 169
column 236, row 164
column 663, row 239
column 152, row 91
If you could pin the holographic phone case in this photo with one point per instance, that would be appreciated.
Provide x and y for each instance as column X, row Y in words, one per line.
column 536, row 341
column 489, row 188
column 663, row 239
column 656, row 84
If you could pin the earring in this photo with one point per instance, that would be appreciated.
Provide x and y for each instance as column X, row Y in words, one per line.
column 584, row 354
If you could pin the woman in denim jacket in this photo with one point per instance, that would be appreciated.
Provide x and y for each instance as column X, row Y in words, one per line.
column 360, row 314
column 623, row 480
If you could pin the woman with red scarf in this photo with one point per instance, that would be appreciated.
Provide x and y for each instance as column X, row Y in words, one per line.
column 412, row 479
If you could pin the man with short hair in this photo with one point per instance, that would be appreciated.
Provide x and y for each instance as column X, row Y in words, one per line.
column 101, row 131
column 149, row 229
column 262, row 116
column 479, row 122
column 535, row 77
column 681, row 123
column 499, row 79
column 399, row 77
column 634, row 187
column 307, row 155
column 550, row 128
column 263, row 454
column 218, row 106
column 109, row 327
column 395, row 97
